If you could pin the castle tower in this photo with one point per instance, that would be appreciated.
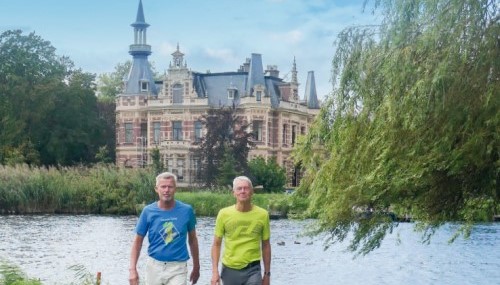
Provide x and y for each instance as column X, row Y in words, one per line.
column 140, row 79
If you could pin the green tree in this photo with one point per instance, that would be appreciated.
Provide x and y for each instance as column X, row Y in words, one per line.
column 268, row 173
column 226, row 132
column 227, row 171
column 413, row 124
column 158, row 166
column 72, row 134
column 102, row 155
column 107, row 121
column 30, row 71
column 48, row 108
column 111, row 84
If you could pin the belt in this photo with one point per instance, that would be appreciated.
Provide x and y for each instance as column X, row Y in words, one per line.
column 252, row 264
column 248, row 266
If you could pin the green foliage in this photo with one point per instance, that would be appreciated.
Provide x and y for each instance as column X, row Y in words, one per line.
column 268, row 174
column 83, row 276
column 157, row 166
column 102, row 155
column 48, row 109
column 226, row 134
column 227, row 172
column 413, row 124
column 107, row 123
column 30, row 72
column 12, row 275
column 111, row 84
column 206, row 203
column 21, row 154
column 103, row 189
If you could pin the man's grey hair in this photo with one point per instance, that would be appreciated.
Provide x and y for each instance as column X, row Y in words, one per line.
column 242, row 178
column 166, row 175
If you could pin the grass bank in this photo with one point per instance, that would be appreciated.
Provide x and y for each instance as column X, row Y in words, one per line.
column 105, row 189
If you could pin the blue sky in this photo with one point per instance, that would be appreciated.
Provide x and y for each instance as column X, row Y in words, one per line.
column 215, row 35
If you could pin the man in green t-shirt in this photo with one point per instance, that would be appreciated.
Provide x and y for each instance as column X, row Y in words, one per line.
column 246, row 231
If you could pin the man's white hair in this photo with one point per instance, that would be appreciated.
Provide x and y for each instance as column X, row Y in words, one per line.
column 242, row 178
column 166, row 175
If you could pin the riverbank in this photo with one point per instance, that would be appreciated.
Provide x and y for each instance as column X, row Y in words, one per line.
column 107, row 190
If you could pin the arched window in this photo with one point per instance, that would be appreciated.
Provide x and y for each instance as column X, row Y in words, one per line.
column 177, row 92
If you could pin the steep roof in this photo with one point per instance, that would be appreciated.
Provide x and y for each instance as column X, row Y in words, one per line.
column 140, row 72
column 311, row 96
column 140, row 20
column 256, row 73
column 215, row 86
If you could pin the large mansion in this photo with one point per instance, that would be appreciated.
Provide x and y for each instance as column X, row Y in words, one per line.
column 166, row 114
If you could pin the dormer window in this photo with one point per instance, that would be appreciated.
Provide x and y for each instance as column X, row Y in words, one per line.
column 144, row 86
column 258, row 91
column 258, row 95
column 231, row 93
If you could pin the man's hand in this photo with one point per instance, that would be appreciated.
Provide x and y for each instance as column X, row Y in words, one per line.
column 133, row 278
column 195, row 275
column 266, row 280
column 215, row 279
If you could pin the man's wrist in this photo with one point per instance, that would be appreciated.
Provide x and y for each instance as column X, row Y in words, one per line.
column 267, row 273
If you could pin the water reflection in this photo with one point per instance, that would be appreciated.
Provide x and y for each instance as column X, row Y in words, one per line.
column 46, row 246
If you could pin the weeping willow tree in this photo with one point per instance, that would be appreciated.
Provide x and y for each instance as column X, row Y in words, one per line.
column 412, row 124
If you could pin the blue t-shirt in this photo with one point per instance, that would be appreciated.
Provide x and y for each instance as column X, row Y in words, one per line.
column 167, row 230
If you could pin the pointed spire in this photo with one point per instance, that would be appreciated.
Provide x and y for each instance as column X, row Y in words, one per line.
column 140, row 78
column 294, row 72
column 140, row 27
column 140, row 20
column 311, row 97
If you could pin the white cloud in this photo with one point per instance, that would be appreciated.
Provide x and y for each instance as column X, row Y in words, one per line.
column 291, row 37
column 225, row 55
column 166, row 49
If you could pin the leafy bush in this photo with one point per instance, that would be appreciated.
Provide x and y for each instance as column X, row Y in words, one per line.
column 268, row 174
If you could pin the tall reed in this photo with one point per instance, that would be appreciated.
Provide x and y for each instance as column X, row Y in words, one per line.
column 103, row 189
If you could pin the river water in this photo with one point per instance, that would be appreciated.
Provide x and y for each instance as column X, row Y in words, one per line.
column 47, row 246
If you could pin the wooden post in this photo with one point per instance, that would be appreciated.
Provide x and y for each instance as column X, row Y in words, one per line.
column 98, row 282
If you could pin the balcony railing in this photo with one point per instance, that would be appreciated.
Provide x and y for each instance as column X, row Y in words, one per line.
column 140, row 48
column 175, row 143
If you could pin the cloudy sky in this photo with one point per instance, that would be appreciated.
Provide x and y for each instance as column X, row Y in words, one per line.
column 215, row 35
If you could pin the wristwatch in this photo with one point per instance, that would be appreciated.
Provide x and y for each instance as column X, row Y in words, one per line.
column 267, row 273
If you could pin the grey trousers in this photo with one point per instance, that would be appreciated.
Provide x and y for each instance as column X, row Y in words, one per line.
column 248, row 276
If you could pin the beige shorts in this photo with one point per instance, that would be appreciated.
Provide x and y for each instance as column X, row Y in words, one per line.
column 166, row 273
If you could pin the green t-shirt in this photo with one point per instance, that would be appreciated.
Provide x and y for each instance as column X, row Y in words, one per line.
column 242, row 233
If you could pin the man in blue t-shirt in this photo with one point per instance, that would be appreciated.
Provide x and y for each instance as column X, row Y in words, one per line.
column 167, row 222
